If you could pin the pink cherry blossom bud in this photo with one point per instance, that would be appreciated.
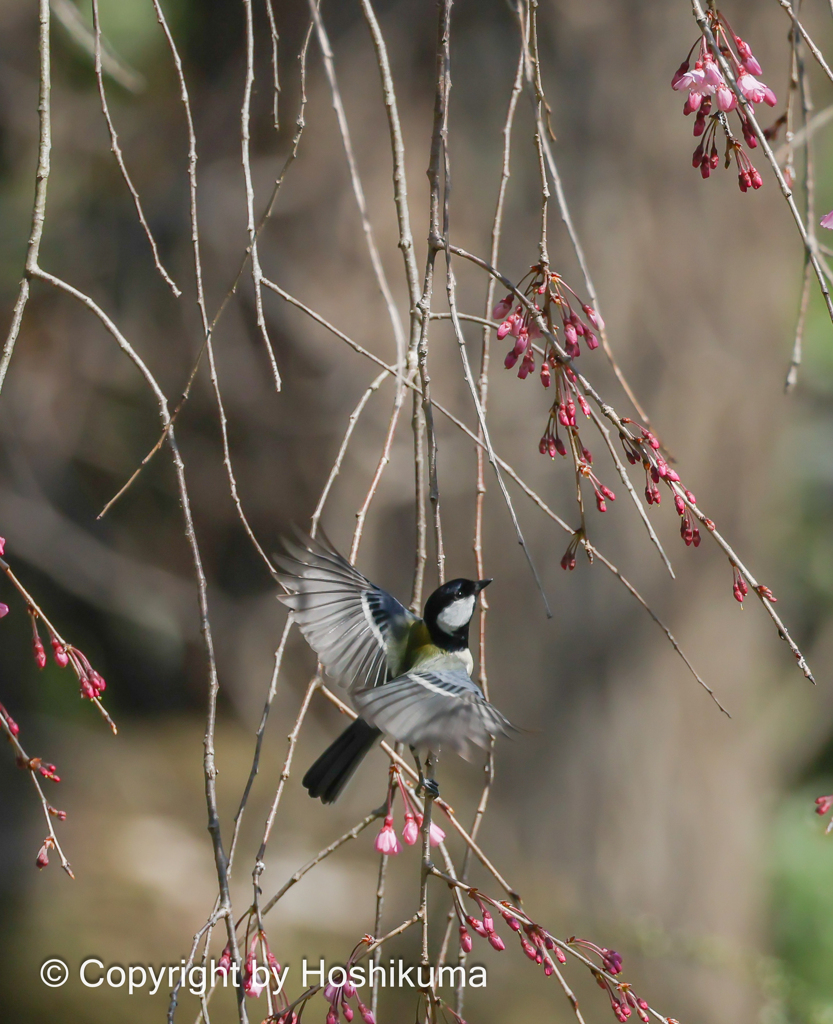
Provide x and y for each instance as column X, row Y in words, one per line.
column 827, row 221
column 672, row 475
column 465, row 939
column 679, row 505
column 697, row 156
column 770, row 98
column 570, row 334
column 2, row 546
column 502, row 308
column 510, row 360
column 43, row 856
column 387, row 841
column 488, row 921
column 332, row 993
column 4, row 610
column 529, row 949
column 600, row 503
column 585, row 408
column 611, row 961
column 14, row 728
column 726, row 99
column 521, row 343
column 691, row 497
column 348, row 1013
column 476, row 926
column 549, row 967
column 513, row 922
column 746, row 56
column 224, row 963
column 58, row 652
column 579, row 326
column 332, row 1017
column 560, row 955
column 505, row 328
column 696, row 537
column 410, row 832
column 545, row 374
column 744, row 181
column 656, row 472
column 560, row 447
column 692, row 103
column 594, row 317
column 587, row 455
column 705, row 167
column 435, row 833
column 755, row 178
column 824, row 804
column 533, row 330
column 568, row 563
column 591, row 340
column 367, row 1016
column 496, row 941
column 678, row 74
column 40, row 653
column 606, row 491
column 699, row 123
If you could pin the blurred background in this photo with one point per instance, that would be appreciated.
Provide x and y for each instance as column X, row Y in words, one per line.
column 634, row 813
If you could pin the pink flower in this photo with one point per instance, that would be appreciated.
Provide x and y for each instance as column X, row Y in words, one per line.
column 726, row 99
column 411, row 831
column 465, row 939
column 755, row 91
column 693, row 80
column 435, row 834
column 386, row 841
column 4, row 610
column 2, row 545
column 827, row 221
column 712, row 77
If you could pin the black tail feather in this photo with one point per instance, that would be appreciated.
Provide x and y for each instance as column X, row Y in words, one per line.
column 333, row 770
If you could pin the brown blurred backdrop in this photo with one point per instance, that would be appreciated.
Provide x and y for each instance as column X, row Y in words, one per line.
column 635, row 813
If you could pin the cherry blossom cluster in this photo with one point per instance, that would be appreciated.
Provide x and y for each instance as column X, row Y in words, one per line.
column 824, row 805
column 387, row 841
column 91, row 683
column 339, row 996
column 553, row 301
column 550, row 296
column 711, row 98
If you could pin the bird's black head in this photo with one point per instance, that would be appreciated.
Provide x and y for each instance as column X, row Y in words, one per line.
column 448, row 612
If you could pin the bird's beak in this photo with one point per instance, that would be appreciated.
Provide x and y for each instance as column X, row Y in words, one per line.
column 482, row 584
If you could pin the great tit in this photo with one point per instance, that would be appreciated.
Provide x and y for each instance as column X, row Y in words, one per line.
column 408, row 677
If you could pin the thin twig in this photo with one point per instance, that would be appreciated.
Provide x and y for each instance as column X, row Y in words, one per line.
column 117, row 153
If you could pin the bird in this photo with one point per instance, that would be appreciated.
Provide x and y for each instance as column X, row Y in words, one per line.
column 407, row 676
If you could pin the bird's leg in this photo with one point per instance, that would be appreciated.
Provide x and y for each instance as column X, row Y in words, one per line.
column 428, row 786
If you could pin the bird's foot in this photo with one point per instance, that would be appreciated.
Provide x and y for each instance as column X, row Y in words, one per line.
column 430, row 786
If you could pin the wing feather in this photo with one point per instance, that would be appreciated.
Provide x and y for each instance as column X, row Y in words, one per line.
column 432, row 707
column 357, row 629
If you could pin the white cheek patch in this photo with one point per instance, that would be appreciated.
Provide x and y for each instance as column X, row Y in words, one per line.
column 456, row 614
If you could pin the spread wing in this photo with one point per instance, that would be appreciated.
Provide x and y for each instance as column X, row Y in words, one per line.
column 434, row 706
column 357, row 629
